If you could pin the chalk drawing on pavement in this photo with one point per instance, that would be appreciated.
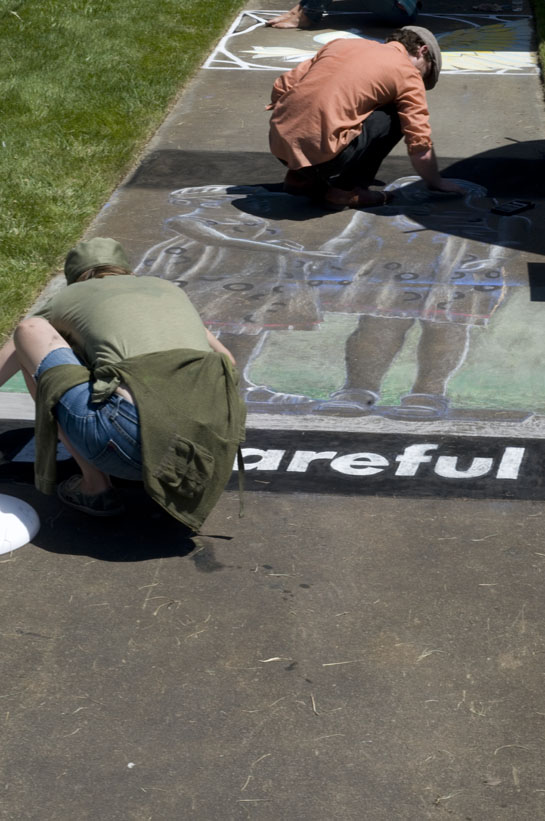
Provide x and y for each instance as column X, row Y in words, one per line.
column 471, row 44
column 380, row 313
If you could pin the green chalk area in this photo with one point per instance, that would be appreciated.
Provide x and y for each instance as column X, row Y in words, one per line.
column 502, row 370
column 83, row 86
column 15, row 385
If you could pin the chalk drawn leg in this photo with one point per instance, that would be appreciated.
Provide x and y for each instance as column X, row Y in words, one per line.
column 371, row 348
column 442, row 349
column 369, row 352
column 242, row 347
column 246, row 349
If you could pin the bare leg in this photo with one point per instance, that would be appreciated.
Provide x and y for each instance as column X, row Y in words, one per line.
column 295, row 18
column 93, row 480
column 34, row 339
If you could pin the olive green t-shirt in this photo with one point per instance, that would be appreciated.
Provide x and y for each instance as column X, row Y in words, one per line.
column 115, row 318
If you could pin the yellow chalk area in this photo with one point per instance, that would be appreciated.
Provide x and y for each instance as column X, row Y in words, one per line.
column 489, row 61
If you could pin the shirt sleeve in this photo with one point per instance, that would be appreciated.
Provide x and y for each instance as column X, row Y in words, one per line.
column 414, row 115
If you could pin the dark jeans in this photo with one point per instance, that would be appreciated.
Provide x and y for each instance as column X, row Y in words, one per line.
column 387, row 11
column 358, row 163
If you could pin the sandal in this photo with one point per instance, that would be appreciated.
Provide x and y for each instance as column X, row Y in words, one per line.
column 106, row 503
column 350, row 402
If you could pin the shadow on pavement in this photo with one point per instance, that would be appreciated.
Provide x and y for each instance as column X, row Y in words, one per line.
column 144, row 532
column 511, row 171
column 515, row 171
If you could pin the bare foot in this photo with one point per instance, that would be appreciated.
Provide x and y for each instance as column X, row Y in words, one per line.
column 293, row 19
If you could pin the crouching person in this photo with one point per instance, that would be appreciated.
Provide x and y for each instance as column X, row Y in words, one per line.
column 124, row 371
column 337, row 116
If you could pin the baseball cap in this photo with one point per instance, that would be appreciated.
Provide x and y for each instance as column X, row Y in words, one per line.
column 92, row 252
column 434, row 51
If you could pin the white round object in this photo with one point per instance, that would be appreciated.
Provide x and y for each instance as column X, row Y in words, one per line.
column 328, row 36
column 19, row 523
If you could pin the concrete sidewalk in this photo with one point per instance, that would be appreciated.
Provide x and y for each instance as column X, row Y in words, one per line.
column 367, row 642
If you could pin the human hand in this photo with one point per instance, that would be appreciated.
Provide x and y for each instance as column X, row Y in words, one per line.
column 217, row 346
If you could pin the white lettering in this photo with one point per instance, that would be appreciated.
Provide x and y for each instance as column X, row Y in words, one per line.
column 510, row 463
column 302, row 459
column 412, row 457
column 369, row 464
column 360, row 464
column 446, row 466
column 267, row 459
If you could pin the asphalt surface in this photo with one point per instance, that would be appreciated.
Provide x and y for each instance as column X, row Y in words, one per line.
column 368, row 641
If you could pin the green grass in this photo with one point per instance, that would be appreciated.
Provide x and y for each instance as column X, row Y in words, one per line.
column 539, row 14
column 83, row 85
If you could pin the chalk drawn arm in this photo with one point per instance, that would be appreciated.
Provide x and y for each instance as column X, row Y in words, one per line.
column 425, row 165
column 9, row 364
column 207, row 234
column 216, row 345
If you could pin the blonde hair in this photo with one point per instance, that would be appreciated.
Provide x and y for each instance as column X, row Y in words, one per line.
column 101, row 271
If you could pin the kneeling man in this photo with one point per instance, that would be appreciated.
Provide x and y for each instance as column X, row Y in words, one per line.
column 336, row 116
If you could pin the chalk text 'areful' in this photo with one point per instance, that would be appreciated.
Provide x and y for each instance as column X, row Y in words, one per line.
column 411, row 461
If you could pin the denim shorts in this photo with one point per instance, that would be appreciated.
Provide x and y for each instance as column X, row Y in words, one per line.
column 106, row 434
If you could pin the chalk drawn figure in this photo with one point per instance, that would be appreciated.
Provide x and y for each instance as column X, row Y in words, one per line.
column 481, row 44
column 448, row 286
column 244, row 275
column 439, row 263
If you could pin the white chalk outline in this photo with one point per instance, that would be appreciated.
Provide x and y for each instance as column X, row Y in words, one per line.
column 223, row 59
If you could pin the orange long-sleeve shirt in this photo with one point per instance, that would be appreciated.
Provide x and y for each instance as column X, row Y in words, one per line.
column 320, row 106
